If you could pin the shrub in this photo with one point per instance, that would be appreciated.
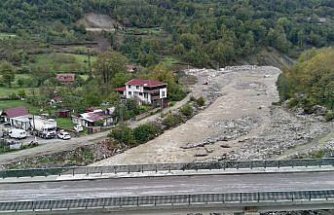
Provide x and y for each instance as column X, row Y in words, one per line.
column 123, row 134
column 292, row 103
column 22, row 93
column 172, row 120
column 187, row 110
column 200, row 101
column 329, row 116
column 146, row 132
column 13, row 96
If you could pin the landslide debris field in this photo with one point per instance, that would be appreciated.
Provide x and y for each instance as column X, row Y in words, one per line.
column 239, row 123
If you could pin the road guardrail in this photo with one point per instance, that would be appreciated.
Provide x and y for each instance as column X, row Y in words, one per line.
column 219, row 165
column 179, row 200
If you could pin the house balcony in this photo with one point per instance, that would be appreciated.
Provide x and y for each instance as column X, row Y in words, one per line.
column 153, row 92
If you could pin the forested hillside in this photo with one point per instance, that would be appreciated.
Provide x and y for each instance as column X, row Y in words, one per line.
column 310, row 82
column 199, row 32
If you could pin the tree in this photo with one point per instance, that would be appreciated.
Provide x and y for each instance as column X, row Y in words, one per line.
column 108, row 64
column 7, row 71
column 40, row 74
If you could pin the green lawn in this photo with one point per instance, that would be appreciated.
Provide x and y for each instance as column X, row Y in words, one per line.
column 65, row 123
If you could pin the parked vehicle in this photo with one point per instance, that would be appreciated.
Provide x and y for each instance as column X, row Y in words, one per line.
column 64, row 135
column 18, row 134
column 44, row 128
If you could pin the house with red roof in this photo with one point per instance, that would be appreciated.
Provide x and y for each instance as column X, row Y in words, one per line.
column 145, row 91
column 95, row 118
column 17, row 117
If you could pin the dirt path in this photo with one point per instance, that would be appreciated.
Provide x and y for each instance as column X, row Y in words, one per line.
column 246, row 94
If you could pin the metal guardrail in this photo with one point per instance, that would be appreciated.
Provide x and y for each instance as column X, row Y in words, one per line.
column 222, row 165
column 179, row 200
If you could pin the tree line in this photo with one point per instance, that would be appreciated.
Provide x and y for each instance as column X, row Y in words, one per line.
column 202, row 33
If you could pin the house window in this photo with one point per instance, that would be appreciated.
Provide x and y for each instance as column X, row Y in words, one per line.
column 163, row 94
column 129, row 86
column 137, row 87
column 141, row 94
column 130, row 93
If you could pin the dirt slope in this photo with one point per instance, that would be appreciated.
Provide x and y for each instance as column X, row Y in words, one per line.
column 97, row 22
column 241, row 91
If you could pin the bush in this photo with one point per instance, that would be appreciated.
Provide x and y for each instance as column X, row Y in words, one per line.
column 123, row 134
column 187, row 110
column 146, row 132
column 13, row 96
column 200, row 101
column 22, row 93
column 172, row 120
column 292, row 103
column 329, row 116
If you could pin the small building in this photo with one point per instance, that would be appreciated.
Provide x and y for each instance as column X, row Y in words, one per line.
column 145, row 91
column 66, row 78
column 96, row 118
column 17, row 117
column 64, row 113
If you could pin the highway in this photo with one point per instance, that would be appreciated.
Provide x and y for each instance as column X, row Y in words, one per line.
column 205, row 184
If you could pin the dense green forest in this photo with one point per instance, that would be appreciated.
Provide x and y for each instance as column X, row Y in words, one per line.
column 310, row 81
column 199, row 32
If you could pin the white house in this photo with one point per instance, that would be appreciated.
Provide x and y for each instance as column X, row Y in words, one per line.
column 17, row 117
column 145, row 91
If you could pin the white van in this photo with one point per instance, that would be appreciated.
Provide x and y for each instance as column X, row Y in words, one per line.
column 18, row 134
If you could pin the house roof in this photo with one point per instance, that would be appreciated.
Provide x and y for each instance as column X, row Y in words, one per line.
column 66, row 77
column 93, row 117
column 120, row 89
column 146, row 83
column 16, row 112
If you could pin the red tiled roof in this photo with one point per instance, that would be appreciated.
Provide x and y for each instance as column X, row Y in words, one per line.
column 69, row 77
column 16, row 112
column 146, row 83
column 120, row 89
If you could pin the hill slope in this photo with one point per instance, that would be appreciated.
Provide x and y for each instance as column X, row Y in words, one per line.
column 202, row 33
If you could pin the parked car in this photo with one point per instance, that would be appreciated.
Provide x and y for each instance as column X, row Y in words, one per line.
column 18, row 134
column 64, row 135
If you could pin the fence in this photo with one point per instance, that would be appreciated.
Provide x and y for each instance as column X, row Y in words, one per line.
column 179, row 200
column 222, row 165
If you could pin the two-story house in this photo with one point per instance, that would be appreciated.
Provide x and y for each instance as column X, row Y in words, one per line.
column 145, row 91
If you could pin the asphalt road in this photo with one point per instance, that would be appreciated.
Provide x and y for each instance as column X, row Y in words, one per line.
column 168, row 186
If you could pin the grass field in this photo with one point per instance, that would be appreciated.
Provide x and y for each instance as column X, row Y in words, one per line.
column 169, row 62
column 63, row 62
column 65, row 123
column 17, row 103
column 6, row 92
